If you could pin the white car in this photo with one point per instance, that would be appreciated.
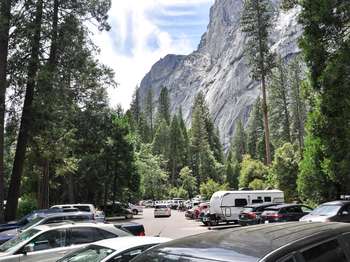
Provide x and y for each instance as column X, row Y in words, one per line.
column 114, row 250
column 47, row 243
column 136, row 210
column 98, row 215
column 162, row 211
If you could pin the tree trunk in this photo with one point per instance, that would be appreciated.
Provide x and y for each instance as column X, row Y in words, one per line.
column 26, row 120
column 285, row 107
column 43, row 202
column 5, row 15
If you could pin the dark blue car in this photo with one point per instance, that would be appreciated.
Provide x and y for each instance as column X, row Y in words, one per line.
column 26, row 219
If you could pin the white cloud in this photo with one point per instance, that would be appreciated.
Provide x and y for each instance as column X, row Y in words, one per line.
column 131, row 31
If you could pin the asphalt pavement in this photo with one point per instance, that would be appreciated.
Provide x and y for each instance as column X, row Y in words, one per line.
column 173, row 227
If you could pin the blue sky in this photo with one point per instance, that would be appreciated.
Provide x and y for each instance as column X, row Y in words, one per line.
column 143, row 31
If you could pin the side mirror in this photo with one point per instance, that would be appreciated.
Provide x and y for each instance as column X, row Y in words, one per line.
column 28, row 248
column 345, row 213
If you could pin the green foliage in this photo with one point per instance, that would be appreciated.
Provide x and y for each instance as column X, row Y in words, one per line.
column 238, row 145
column 284, row 171
column 257, row 184
column 250, row 170
column 208, row 188
column 232, row 174
column 26, row 205
column 153, row 178
column 164, row 105
column 178, row 192
column 188, row 182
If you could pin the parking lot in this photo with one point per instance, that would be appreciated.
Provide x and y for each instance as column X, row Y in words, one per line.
column 175, row 226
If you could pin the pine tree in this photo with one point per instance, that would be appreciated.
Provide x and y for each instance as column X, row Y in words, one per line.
column 178, row 152
column 164, row 105
column 256, row 22
column 160, row 144
column 238, row 145
column 135, row 107
column 298, row 105
column 232, row 174
column 149, row 111
column 279, row 101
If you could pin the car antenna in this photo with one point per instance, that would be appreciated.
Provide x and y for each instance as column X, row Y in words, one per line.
column 161, row 231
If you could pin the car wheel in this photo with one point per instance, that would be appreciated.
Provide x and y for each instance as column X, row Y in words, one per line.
column 135, row 212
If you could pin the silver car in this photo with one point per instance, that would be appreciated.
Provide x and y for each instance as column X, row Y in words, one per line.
column 113, row 250
column 47, row 243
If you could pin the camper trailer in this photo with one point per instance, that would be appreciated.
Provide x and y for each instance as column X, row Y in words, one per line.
column 225, row 206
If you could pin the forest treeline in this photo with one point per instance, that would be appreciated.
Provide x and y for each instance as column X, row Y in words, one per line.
column 60, row 141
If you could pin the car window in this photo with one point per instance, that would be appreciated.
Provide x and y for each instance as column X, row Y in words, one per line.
column 241, row 202
column 54, row 220
column 306, row 209
column 91, row 253
column 103, row 234
column 83, row 235
column 294, row 209
column 50, row 239
column 78, row 218
column 83, row 208
column 129, row 254
column 325, row 252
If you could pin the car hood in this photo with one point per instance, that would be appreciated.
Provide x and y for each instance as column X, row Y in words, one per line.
column 314, row 218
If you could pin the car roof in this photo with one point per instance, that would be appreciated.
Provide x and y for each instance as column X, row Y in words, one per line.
column 64, row 214
column 69, row 224
column 120, row 244
column 249, row 243
column 284, row 205
column 337, row 202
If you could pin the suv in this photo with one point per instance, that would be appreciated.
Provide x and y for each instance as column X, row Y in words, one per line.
column 51, row 242
column 43, row 219
column 335, row 211
column 284, row 213
column 251, row 215
column 285, row 242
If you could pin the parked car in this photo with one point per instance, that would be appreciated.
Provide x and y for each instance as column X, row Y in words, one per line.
column 117, row 210
column 199, row 208
column 251, row 215
column 335, row 211
column 135, row 229
column 135, row 209
column 189, row 213
column 113, row 250
column 46, row 218
column 27, row 218
column 51, row 242
column 162, row 211
column 284, row 213
column 98, row 215
column 285, row 242
column 148, row 203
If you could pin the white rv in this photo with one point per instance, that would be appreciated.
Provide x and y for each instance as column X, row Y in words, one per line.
column 225, row 206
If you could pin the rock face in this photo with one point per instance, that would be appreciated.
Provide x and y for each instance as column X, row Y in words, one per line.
column 219, row 68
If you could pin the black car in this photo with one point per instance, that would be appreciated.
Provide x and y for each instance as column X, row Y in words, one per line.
column 251, row 215
column 117, row 210
column 284, row 213
column 335, row 211
column 284, row 242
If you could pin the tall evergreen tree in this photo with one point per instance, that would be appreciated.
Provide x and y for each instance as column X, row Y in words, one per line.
column 279, row 101
column 238, row 145
column 135, row 106
column 256, row 22
column 164, row 105
column 298, row 105
column 149, row 110
column 160, row 144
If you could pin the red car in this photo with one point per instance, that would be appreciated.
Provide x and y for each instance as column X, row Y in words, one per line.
column 201, row 207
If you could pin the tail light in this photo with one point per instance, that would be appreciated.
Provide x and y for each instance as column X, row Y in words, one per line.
column 251, row 215
column 276, row 215
column 141, row 234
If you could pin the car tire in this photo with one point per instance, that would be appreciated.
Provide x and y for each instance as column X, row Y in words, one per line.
column 135, row 212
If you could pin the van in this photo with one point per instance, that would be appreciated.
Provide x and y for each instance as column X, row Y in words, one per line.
column 225, row 206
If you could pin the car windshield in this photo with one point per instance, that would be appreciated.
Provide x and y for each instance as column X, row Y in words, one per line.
column 31, row 223
column 161, row 206
column 248, row 209
column 326, row 210
column 92, row 253
column 9, row 245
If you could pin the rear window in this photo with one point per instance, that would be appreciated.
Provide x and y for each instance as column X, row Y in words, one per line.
column 240, row 202
column 83, row 208
column 160, row 206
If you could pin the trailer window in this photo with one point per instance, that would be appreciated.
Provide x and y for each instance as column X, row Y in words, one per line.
column 257, row 201
column 241, row 202
column 267, row 199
